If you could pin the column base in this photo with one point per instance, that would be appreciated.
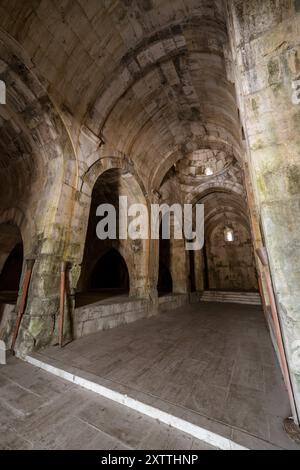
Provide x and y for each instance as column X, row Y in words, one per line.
column 292, row 430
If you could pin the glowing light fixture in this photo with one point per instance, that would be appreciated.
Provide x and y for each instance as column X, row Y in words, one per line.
column 229, row 235
column 208, row 171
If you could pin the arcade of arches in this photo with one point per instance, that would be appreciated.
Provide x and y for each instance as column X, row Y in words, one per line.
column 162, row 101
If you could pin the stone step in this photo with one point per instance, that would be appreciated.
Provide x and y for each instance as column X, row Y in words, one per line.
column 250, row 298
column 231, row 298
column 231, row 294
column 143, row 403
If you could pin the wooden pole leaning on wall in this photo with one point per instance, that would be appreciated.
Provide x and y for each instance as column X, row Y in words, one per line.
column 263, row 257
column 22, row 305
column 62, row 302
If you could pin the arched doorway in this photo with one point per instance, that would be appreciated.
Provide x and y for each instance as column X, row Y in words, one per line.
column 12, row 269
column 165, row 282
column 11, row 263
column 228, row 257
column 105, row 272
column 172, row 275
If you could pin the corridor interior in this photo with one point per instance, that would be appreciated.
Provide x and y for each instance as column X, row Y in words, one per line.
column 177, row 103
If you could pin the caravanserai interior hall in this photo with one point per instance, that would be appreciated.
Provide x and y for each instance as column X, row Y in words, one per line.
column 128, row 342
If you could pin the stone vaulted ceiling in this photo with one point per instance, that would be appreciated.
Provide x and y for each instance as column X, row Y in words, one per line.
column 150, row 77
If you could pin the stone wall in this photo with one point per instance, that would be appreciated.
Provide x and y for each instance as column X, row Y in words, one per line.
column 265, row 40
column 230, row 265
column 105, row 315
column 110, row 314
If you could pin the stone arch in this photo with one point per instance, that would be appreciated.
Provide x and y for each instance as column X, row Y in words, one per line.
column 110, row 161
column 237, row 195
column 12, row 268
column 231, row 265
column 46, row 181
column 227, row 266
column 11, row 236
column 219, row 202
column 182, row 150
column 39, row 125
column 12, row 263
column 209, row 187
column 15, row 216
column 143, row 98
column 135, row 252
column 28, row 98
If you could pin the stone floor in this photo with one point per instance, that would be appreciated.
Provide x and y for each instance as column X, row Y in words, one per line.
column 208, row 362
column 41, row 411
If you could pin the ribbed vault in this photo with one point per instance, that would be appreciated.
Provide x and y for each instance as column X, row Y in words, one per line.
column 148, row 77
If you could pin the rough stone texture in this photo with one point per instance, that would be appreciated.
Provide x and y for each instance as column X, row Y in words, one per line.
column 157, row 92
column 2, row 352
column 108, row 314
column 114, row 312
column 248, row 298
column 43, row 412
column 133, row 108
column 230, row 264
column 211, row 364
column 267, row 69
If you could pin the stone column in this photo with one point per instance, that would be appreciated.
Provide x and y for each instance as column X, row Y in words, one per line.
column 153, row 259
column 265, row 40
column 199, row 270
column 179, row 266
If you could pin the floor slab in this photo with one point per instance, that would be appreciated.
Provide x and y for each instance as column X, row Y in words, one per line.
column 40, row 411
column 208, row 361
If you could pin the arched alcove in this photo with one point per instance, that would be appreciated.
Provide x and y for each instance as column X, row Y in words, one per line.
column 124, row 255
column 165, row 282
column 12, row 269
column 228, row 262
column 11, row 262
column 110, row 274
column 11, row 265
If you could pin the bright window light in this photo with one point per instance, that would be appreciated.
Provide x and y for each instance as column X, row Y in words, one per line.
column 229, row 235
column 208, row 171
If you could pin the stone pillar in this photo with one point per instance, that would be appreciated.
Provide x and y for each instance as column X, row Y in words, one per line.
column 2, row 353
column 153, row 259
column 179, row 266
column 266, row 45
column 40, row 320
column 63, row 241
column 199, row 270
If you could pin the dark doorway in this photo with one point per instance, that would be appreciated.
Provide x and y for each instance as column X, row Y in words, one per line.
column 165, row 283
column 11, row 275
column 192, row 254
column 110, row 272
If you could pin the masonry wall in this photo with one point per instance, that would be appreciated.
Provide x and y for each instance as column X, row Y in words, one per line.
column 266, row 48
column 231, row 265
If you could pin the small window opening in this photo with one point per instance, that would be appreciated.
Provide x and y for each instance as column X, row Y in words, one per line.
column 229, row 235
column 208, row 171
